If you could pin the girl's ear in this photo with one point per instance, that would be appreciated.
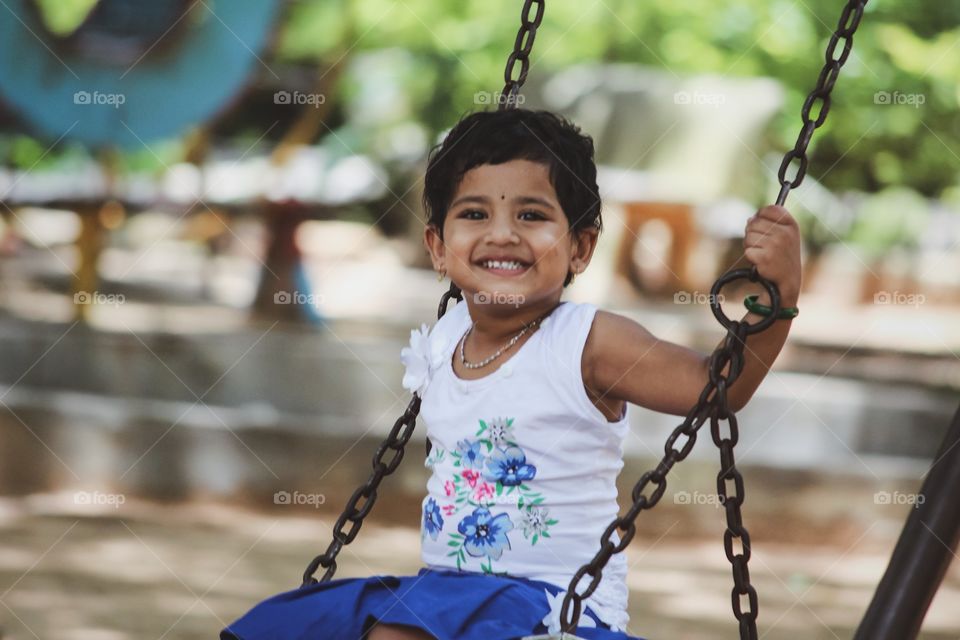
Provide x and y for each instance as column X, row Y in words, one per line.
column 434, row 243
column 585, row 241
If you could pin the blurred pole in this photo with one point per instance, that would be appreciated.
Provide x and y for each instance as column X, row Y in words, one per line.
column 923, row 552
column 89, row 244
column 95, row 219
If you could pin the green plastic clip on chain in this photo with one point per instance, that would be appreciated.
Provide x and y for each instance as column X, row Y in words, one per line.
column 786, row 313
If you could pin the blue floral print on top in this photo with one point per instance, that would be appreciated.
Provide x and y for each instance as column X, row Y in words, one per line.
column 470, row 454
column 432, row 520
column 485, row 534
column 509, row 466
column 488, row 470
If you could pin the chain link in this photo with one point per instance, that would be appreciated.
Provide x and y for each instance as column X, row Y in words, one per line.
column 395, row 441
column 509, row 97
column 846, row 27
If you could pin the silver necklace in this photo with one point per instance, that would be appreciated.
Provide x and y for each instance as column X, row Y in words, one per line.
column 513, row 341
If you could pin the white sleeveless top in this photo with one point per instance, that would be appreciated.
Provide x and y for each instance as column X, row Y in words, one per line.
column 523, row 463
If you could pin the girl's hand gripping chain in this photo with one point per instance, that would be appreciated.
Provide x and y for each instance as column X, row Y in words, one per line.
column 772, row 243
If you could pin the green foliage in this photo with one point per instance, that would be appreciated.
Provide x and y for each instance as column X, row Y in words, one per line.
column 423, row 62
column 62, row 17
column 894, row 217
column 24, row 151
column 459, row 48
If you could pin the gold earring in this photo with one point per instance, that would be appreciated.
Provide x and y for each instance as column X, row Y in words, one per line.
column 441, row 275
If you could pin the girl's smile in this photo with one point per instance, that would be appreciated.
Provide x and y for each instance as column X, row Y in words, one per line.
column 505, row 267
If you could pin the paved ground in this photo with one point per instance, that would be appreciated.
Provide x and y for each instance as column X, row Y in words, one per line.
column 144, row 571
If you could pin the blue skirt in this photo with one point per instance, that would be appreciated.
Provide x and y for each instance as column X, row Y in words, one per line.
column 446, row 604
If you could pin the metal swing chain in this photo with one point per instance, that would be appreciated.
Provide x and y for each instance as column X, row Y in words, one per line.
column 509, row 97
column 395, row 441
column 403, row 428
column 715, row 406
column 846, row 27
column 711, row 404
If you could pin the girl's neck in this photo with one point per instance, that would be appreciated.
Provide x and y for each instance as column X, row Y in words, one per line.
column 495, row 329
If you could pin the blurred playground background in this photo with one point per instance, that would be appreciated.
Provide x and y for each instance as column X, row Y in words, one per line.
column 210, row 258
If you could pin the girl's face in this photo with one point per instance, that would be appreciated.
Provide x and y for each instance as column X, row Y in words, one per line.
column 508, row 212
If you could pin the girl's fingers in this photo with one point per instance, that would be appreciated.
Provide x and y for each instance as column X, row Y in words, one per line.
column 761, row 225
column 765, row 225
column 775, row 214
column 753, row 241
column 760, row 238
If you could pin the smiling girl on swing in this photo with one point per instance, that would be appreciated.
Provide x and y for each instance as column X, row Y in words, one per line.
column 525, row 399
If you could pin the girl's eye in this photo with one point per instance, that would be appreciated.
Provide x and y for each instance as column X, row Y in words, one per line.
column 468, row 212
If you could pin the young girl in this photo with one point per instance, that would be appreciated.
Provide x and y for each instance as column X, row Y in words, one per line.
column 525, row 398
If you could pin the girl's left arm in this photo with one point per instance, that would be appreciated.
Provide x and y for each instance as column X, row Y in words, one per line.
column 772, row 243
column 624, row 361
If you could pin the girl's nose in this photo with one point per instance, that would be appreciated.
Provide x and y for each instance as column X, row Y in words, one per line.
column 502, row 230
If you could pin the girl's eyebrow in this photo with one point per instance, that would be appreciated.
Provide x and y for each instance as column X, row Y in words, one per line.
column 517, row 200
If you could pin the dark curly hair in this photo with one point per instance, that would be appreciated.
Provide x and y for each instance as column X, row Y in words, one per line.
column 495, row 137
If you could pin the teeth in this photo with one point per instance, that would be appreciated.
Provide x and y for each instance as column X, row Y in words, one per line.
column 496, row 264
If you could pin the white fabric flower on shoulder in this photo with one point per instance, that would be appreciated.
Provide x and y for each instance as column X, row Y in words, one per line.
column 421, row 359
